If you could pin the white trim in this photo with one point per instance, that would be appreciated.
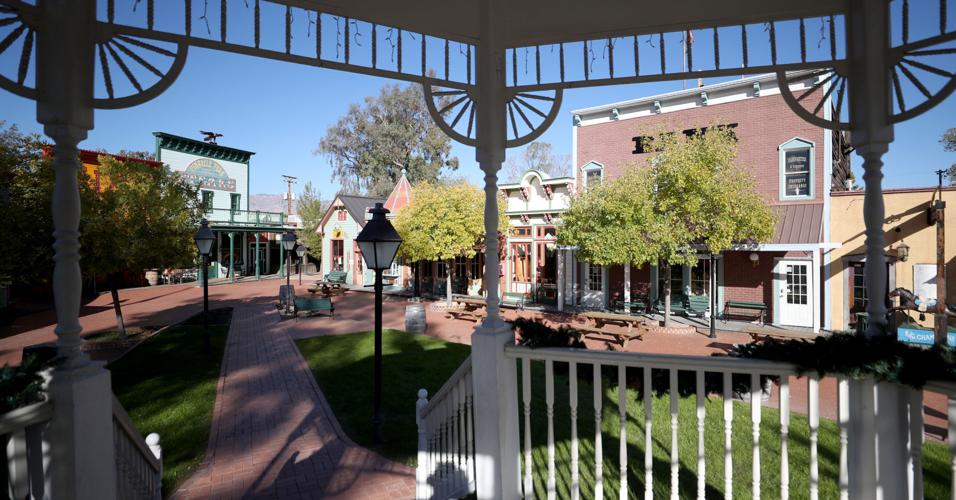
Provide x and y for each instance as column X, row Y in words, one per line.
column 814, row 292
column 796, row 144
column 787, row 247
column 827, row 186
column 574, row 154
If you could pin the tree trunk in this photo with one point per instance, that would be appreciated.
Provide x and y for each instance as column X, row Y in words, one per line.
column 667, row 295
column 418, row 280
column 120, row 326
column 448, row 267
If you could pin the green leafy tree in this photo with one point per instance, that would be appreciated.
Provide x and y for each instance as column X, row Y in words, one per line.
column 538, row 155
column 144, row 218
column 443, row 222
column 691, row 198
column 311, row 209
column 373, row 142
column 949, row 144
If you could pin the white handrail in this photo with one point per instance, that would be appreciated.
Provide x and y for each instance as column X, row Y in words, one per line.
column 139, row 465
column 442, row 393
column 446, row 448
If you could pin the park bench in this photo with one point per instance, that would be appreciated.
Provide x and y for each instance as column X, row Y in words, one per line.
column 333, row 281
column 678, row 304
column 755, row 310
column 310, row 306
column 697, row 305
column 513, row 299
column 629, row 307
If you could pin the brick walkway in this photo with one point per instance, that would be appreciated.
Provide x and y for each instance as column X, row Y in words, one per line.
column 274, row 435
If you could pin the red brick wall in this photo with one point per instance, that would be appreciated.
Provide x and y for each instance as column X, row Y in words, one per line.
column 743, row 281
column 763, row 124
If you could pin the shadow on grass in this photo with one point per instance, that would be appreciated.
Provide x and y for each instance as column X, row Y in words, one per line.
column 343, row 368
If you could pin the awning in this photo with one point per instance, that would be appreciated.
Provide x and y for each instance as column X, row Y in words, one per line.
column 798, row 224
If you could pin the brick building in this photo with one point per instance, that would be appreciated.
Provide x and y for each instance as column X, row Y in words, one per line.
column 796, row 166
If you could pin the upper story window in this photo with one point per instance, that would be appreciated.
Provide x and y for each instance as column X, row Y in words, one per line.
column 341, row 214
column 796, row 170
column 234, row 201
column 521, row 231
column 207, row 199
column 593, row 174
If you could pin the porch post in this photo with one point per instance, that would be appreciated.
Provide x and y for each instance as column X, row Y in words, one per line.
column 81, row 431
column 877, row 446
column 494, row 376
column 627, row 283
column 817, row 287
column 258, row 236
column 561, row 278
column 232, row 257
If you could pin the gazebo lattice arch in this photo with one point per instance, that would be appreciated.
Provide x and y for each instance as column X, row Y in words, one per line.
column 504, row 65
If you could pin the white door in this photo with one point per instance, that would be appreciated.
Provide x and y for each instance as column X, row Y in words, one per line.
column 593, row 295
column 794, row 285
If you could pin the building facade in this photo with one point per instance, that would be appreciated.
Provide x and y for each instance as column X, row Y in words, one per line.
column 905, row 225
column 247, row 241
column 796, row 166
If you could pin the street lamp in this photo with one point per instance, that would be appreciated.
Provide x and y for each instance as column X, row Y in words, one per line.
column 379, row 243
column 288, row 243
column 300, row 251
column 204, row 239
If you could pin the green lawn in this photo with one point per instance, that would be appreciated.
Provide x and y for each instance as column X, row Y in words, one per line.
column 342, row 365
column 168, row 385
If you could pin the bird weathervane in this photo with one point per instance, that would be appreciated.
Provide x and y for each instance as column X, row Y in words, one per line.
column 210, row 137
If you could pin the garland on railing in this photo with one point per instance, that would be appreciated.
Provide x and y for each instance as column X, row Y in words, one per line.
column 857, row 356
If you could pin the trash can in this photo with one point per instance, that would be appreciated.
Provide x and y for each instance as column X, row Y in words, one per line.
column 415, row 318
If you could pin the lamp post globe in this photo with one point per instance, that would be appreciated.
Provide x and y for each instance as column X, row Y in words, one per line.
column 300, row 251
column 204, row 239
column 379, row 242
column 288, row 243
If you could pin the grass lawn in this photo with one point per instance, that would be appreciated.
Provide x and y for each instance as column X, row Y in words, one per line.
column 168, row 385
column 342, row 365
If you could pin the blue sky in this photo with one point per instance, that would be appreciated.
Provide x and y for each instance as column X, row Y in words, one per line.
column 281, row 110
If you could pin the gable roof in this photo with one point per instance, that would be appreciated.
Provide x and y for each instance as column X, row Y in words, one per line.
column 400, row 197
column 356, row 206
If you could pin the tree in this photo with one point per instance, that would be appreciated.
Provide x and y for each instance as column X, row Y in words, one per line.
column 372, row 143
column 538, row 156
column 691, row 198
column 311, row 210
column 443, row 222
column 144, row 219
column 949, row 144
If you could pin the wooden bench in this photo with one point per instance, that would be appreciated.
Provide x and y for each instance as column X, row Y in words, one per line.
column 308, row 307
column 333, row 281
column 629, row 307
column 697, row 305
column 678, row 304
column 762, row 336
column 513, row 299
column 756, row 310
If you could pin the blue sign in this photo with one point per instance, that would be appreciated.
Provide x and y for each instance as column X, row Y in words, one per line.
column 922, row 336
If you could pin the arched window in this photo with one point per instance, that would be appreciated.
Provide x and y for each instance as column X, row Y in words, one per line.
column 796, row 170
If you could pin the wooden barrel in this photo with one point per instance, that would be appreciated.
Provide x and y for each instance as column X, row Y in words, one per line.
column 415, row 318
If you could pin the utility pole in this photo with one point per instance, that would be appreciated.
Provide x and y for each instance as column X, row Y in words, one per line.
column 940, row 322
column 289, row 180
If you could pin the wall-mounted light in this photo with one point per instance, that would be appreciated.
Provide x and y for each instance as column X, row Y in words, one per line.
column 754, row 258
column 903, row 251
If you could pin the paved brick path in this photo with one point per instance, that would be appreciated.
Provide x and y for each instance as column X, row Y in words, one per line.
column 274, row 435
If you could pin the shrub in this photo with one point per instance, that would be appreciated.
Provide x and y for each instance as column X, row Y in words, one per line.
column 534, row 334
column 21, row 385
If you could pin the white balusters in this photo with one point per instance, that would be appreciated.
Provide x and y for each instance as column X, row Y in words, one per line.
column 784, row 437
column 701, row 415
column 598, row 445
column 469, row 432
column 622, row 418
column 648, row 436
column 755, row 396
column 421, row 472
column 843, row 421
column 573, row 403
column 526, row 397
column 813, row 399
column 728, row 436
column 549, row 409
column 675, row 455
column 915, row 444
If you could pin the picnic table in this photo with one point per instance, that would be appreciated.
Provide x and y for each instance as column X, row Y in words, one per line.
column 470, row 308
column 333, row 281
column 601, row 319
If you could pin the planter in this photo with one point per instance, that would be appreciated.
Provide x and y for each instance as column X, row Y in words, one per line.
column 152, row 277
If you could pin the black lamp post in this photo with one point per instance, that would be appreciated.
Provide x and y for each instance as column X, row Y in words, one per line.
column 204, row 239
column 288, row 243
column 300, row 251
column 379, row 242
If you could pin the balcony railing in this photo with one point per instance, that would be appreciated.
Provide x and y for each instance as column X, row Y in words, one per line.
column 252, row 218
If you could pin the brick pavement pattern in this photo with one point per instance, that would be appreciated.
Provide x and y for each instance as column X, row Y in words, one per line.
column 274, row 435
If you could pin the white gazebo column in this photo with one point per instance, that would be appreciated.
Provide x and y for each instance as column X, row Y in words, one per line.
column 816, row 294
column 80, row 436
column 494, row 376
column 627, row 284
column 877, row 442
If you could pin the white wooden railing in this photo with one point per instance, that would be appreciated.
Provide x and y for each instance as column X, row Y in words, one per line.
column 25, row 454
column 446, row 446
column 139, row 462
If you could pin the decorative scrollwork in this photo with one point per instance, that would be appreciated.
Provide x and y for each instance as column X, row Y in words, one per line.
column 833, row 89
column 14, row 29
column 454, row 112
column 924, row 71
column 137, row 60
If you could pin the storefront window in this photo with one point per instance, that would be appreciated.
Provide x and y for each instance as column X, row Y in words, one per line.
column 700, row 278
column 677, row 280
column 338, row 255
column 595, row 279
column 521, row 262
